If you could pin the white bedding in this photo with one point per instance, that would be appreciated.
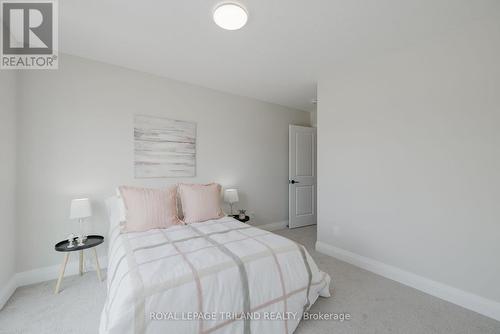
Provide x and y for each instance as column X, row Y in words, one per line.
column 220, row 276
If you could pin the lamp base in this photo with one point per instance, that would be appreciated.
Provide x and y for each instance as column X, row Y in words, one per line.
column 81, row 241
column 82, row 235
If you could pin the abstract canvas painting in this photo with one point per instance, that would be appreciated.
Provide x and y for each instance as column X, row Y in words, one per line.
column 164, row 147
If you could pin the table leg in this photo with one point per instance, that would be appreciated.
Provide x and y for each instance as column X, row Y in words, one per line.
column 97, row 267
column 81, row 263
column 61, row 273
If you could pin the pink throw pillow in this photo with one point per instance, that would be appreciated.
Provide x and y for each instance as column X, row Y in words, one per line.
column 147, row 209
column 200, row 202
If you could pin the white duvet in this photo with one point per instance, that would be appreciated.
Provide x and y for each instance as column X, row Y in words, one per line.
column 219, row 276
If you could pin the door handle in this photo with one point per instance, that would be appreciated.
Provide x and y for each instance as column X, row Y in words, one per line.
column 293, row 181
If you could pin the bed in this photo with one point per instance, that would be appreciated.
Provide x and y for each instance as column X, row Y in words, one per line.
column 219, row 276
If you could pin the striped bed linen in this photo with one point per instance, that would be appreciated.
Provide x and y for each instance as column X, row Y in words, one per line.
column 220, row 276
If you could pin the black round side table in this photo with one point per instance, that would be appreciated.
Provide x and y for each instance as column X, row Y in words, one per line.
column 91, row 242
column 237, row 217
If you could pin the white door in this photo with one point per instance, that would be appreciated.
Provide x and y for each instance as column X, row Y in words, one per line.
column 302, row 176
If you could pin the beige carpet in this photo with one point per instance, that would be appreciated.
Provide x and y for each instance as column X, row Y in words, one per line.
column 376, row 304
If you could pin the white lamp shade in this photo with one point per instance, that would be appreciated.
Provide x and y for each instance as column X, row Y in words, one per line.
column 231, row 196
column 80, row 208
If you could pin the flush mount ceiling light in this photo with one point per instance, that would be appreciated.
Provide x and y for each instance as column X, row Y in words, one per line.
column 230, row 16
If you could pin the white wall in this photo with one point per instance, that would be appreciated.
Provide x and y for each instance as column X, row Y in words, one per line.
column 314, row 118
column 76, row 139
column 7, row 179
column 409, row 159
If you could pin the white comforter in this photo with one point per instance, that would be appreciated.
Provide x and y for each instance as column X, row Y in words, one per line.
column 220, row 276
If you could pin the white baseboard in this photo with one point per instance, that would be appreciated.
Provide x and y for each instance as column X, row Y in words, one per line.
column 453, row 295
column 52, row 272
column 7, row 291
column 44, row 274
column 274, row 226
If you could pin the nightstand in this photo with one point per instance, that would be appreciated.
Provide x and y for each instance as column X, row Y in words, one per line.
column 237, row 217
column 91, row 242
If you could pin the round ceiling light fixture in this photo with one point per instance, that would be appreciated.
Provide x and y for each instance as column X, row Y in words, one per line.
column 230, row 16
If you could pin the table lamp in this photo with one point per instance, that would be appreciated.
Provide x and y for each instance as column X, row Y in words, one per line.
column 80, row 209
column 231, row 197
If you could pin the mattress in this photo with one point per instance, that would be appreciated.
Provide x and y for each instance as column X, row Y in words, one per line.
column 220, row 276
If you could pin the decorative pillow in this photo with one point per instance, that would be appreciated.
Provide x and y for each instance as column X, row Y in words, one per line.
column 146, row 209
column 200, row 202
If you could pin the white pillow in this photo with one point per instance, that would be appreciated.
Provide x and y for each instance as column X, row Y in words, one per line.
column 116, row 211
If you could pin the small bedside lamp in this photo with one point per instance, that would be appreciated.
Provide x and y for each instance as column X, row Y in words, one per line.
column 231, row 197
column 80, row 209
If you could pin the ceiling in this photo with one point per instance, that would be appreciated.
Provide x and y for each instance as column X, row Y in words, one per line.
column 277, row 57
